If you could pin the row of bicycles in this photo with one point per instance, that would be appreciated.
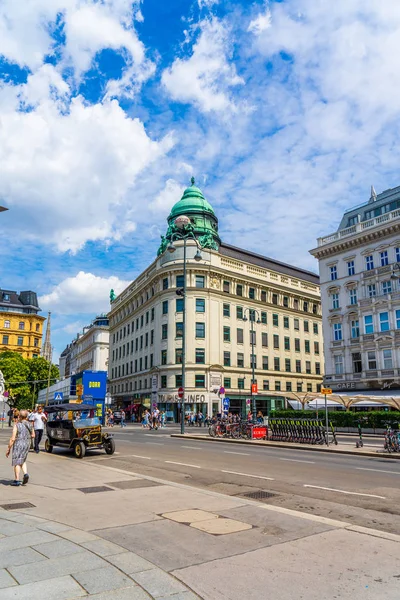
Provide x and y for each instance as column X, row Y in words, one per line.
column 392, row 438
column 231, row 429
column 300, row 431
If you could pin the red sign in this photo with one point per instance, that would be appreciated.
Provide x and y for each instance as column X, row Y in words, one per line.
column 254, row 388
column 180, row 392
column 259, row 433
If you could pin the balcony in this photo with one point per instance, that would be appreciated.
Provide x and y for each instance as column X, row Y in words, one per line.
column 359, row 227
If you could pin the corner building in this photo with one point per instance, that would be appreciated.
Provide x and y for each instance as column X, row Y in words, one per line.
column 21, row 327
column 146, row 325
column 359, row 267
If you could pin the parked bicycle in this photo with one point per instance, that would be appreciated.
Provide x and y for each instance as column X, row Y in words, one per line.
column 392, row 438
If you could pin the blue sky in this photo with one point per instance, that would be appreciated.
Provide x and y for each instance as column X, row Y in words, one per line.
column 286, row 112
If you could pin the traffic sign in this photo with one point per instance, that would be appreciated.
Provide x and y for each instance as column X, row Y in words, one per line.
column 326, row 391
column 58, row 396
column 181, row 392
column 254, row 388
column 222, row 390
column 225, row 403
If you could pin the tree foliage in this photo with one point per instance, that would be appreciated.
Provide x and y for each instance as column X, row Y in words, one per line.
column 25, row 377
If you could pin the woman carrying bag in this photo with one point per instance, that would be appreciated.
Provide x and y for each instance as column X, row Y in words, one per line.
column 20, row 442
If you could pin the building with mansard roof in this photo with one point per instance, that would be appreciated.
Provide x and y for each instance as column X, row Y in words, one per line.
column 359, row 267
column 227, row 284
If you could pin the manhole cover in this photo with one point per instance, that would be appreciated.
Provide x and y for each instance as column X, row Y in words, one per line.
column 95, row 489
column 136, row 483
column 258, row 495
column 17, row 505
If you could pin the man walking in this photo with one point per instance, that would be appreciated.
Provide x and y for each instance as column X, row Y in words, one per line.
column 38, row 418
column 123, row 416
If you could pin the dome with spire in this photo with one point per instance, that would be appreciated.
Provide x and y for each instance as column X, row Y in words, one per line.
column 203, row 221
column 192, row 201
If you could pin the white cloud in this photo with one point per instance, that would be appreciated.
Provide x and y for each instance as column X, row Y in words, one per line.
column 260, row 23
column 76, row 167
column 89, row 26
column 206, row 77
column 164, row 201
column 207, row 3
column 84, row 293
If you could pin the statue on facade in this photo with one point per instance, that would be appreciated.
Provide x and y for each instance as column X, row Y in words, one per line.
column 207, row 241
column 163, row 245
column 112, row 296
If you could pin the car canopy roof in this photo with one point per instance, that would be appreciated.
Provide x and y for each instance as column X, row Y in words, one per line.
column 70, row 406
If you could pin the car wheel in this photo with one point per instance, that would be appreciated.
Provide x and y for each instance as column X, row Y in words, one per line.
column 109, row 446
column 79, row 450
column 48, row 447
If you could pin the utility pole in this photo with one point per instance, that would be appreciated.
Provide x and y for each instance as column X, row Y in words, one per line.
column 48, row 376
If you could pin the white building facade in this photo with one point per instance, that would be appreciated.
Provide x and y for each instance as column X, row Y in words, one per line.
column 145, row 364
column 359, row 266
column 89, row 350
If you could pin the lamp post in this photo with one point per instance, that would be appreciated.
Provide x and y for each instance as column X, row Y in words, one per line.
column 252, row 316
column 183, row 234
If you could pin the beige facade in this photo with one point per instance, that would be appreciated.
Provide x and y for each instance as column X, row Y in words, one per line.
column 146, row 325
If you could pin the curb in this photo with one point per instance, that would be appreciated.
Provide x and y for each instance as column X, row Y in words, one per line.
column 288, row 446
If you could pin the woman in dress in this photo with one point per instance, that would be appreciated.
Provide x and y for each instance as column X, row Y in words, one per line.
column 20, row 442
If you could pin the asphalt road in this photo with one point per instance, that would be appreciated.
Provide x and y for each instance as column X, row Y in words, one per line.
column 360, row 490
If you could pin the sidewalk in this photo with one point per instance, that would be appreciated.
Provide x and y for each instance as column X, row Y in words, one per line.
column 96, row 531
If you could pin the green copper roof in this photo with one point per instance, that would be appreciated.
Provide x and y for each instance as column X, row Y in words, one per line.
column 191, row 202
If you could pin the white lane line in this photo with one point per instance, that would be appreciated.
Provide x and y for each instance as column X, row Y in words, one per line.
column 248, row 475
column 171, row 462
column 155, row 443
column 309, row 462
column 138, row 456
column 317, row 487
column 192, row 447
column 378, row 470
column 241, row 453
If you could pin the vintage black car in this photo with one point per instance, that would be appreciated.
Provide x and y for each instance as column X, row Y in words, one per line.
column 75, row 426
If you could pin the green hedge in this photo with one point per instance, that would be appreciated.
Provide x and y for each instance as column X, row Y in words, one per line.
column 374, row 419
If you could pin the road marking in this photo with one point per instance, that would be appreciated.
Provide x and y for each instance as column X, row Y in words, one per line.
column 171, row 462
column 378, row 470
column 309, row 462
column 192, row 447
column 155, row 443
column 317, row 487
column 248, row 475
column 241, row 453
column 138, row 456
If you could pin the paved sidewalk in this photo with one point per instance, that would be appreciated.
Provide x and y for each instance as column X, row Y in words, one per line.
column 46, row 559
column 96, row 531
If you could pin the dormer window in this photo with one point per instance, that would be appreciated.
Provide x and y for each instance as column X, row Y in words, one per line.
column 6, row 297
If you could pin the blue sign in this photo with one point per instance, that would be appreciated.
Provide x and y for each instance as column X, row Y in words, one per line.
column 225, row 403
column 58, row 396
column 94, row 383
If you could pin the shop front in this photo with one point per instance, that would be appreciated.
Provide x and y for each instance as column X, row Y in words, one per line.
column 241, row 405
column 205, row 403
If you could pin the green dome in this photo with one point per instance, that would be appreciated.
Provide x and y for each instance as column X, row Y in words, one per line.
column 192, row 201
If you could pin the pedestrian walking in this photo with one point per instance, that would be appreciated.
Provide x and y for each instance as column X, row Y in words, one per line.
column 163, row 419
column 38, row 418
column 20, row 442
column 123, row 415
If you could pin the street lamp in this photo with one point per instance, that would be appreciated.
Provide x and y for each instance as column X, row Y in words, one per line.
column 183, row 234
column 252, row 316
